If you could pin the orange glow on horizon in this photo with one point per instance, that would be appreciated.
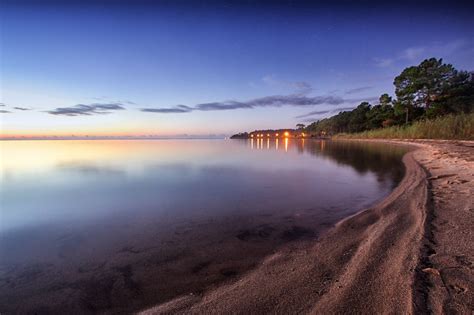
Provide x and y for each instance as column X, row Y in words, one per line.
column 124, row 129
column 6, row 134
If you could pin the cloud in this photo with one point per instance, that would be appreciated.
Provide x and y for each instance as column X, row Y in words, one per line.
column 453, row 46
column 384, row 62
column 270, row 80
column 2, row 111
column 292, row 100
column 227, row 105
column 414, row 53
column 359, row 89
column 17, row 108
column 267, row 101
column 323, row 112
column 301, row 87
column 176, row 109
column 343, row 109
column 106, row 99
column 314, row 113
column 86, row 110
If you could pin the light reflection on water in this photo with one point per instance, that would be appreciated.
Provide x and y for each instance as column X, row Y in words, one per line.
column 70, row 205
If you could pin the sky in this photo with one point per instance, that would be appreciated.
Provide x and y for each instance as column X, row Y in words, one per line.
column 113, row 68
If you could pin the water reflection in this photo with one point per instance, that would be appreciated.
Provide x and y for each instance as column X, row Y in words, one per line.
column 364, row 157
column 97, row 169
column 115, row 226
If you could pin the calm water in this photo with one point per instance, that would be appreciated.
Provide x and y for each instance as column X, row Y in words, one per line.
column 91, row 226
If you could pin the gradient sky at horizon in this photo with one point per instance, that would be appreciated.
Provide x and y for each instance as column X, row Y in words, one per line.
column 88, row 68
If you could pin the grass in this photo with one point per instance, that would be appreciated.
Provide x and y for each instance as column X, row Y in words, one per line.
column 459, row 127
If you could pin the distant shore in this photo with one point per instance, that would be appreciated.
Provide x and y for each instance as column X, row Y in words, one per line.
column 410, row 253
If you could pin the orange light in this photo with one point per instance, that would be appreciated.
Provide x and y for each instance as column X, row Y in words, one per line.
column 251, row 136
column 261, row 135
column 276, row 135
column 302, row 134
column 287, row 133
column 268, row 135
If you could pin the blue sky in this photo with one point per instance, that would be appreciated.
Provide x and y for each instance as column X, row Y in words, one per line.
column 211, row 68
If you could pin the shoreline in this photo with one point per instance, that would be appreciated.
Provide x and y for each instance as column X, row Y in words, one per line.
column 387, row 253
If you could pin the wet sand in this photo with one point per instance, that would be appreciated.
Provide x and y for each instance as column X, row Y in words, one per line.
column 411, row 253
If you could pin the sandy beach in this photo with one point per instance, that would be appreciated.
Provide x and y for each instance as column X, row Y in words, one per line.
column 410, row 253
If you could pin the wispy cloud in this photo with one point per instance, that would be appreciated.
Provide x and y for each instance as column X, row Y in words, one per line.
column 176, row 109
column 343, row 109
column 87, row 110
column 414, row 53
column 16, row 107
column 384, row 62
column 301, row 87
column 324, row 112
column 359, row 89
column 267, row 101
column 106, row 99
column 2, row 111
column 227, row 105
column 314, row 113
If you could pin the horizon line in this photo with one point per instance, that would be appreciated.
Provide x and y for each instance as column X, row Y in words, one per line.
column 143, row 137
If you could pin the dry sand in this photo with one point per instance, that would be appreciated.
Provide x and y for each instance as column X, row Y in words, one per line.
column 448, row 246
column 411, row 253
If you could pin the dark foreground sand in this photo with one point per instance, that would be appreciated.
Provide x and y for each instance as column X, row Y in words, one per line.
column 411, row 253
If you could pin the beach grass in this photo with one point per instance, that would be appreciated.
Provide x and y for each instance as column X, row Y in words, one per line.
column 449, row 127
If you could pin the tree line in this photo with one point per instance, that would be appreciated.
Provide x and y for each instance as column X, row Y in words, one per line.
column 426, row 91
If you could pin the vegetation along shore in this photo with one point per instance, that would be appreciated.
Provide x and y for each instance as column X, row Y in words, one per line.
column 433, row 101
